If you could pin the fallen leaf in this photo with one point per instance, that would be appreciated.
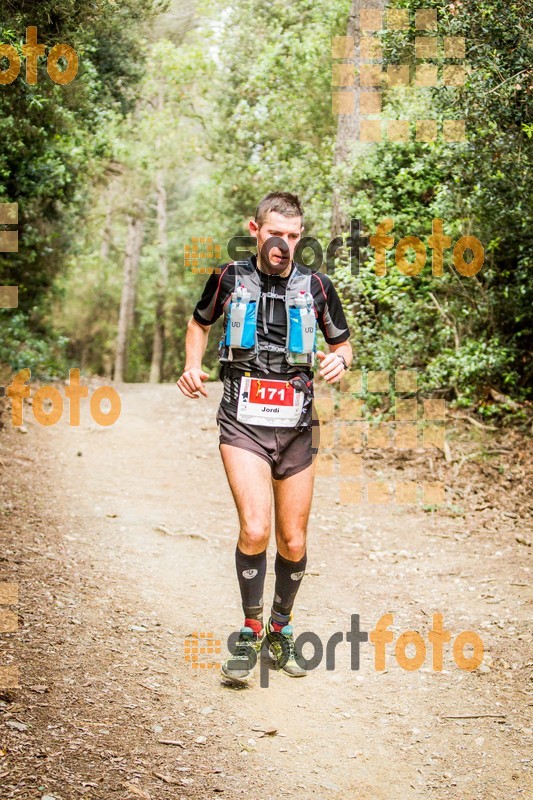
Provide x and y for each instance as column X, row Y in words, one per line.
column 523, row 540
column 137, row 791
column 266, row 731
column 18, row 726
column 167, row 778
column 173, row 742
column 187, row 534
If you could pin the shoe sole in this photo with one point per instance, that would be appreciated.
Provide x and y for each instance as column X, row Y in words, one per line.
column 290, row 674
column 239, row 681
column 236, row 681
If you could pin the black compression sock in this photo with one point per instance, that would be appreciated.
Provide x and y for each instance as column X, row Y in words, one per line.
column 251, row 571
column 289, row 576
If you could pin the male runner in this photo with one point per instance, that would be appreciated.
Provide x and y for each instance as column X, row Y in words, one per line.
column 256, row 456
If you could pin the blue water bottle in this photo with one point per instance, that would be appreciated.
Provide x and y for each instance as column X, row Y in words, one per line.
column 302, row 325
column 241, row 325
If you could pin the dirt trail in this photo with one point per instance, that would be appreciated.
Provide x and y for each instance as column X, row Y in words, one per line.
column 107, row 603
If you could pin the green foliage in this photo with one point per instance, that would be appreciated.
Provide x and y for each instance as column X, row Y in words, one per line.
column 483, row 188
column 474, row 365
column 22, row 347
column 272, row 125
column 55, row 137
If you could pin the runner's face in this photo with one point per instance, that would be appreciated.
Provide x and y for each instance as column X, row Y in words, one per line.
column 287, row 228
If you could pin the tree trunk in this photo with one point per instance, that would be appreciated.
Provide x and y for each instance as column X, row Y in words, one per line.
column 132, row 294
column 107, row 231
column 162, row 282
column 127, row 302
column 348, row 126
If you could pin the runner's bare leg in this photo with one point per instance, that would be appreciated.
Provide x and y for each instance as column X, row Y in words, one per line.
column 249, row 478
column 292, row 500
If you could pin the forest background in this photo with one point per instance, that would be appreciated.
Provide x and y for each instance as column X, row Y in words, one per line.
column 184, row 114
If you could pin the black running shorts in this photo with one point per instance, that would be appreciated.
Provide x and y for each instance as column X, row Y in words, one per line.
column 286, row 450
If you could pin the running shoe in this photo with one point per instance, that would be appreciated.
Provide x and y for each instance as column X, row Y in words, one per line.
column 238, row 668
column 283, row 652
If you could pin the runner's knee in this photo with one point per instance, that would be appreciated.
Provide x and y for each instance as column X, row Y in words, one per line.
column 254, row 537
column 292, row 546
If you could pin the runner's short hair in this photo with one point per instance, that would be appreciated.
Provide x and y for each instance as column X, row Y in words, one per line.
column 282, row 202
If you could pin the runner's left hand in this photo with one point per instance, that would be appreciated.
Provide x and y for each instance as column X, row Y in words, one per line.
column 331, row 366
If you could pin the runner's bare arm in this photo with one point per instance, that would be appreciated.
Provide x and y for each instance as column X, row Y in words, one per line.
column 331, row 367
column 191, row 382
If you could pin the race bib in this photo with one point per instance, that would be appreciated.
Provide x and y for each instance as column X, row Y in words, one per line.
column 272, row 403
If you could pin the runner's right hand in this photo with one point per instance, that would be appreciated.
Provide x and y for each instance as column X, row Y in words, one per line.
column 190, row 383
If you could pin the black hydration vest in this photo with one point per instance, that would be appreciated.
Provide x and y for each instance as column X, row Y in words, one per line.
column 281, row 359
